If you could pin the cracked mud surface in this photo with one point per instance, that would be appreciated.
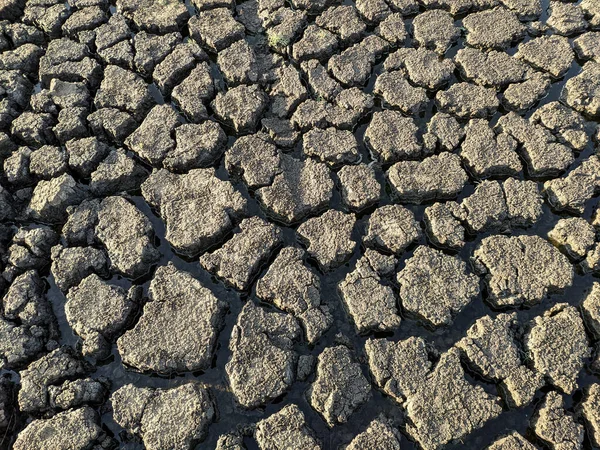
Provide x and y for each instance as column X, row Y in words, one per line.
column 299, row 224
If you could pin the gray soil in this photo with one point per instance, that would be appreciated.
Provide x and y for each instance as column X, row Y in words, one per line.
column 299, row 224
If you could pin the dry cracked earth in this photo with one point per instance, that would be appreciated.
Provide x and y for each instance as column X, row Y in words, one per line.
column 299, row 224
